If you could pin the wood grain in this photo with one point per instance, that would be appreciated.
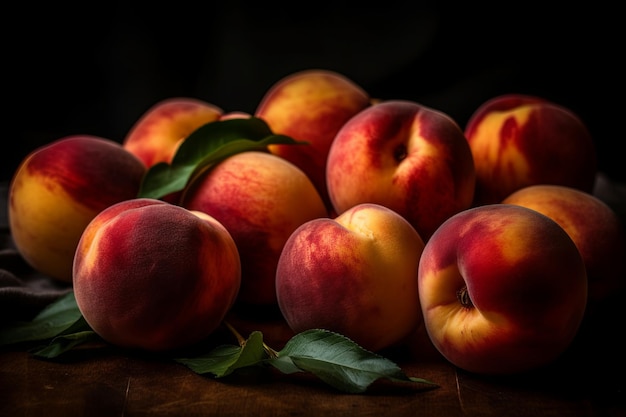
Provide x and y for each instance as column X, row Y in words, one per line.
column 105, row 381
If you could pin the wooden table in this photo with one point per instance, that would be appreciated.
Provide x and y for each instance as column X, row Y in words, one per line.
column 104, row 381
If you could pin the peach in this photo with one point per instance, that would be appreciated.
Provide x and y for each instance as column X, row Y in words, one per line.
column 355, row 274
column 405, row 156
column 519, row 140
column 503, row 289
column 594, row 227
column 235, row 115
column 158, row 133
column 152, row 275
column 58, row 189
column 261, row 199
column 311, row 106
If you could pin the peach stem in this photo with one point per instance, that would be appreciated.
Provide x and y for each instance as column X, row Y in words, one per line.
column 463, row 296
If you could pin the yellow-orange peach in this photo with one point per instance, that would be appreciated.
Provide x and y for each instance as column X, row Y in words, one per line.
column 158, row 133
column 503, row 289
column 405, row 156
column 311, row 106
column 261, row 199
column 594, row 227
column 355, row 274
column 58, row 189
column 519, row 140
column 151, row 275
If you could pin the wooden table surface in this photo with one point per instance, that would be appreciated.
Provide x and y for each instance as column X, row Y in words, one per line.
column 103, row 381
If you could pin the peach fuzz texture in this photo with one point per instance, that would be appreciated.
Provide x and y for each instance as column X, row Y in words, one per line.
column 520, row 140
column 158, row 133
column 526, row 281
column 58, row 189
column 405, row 156
column 595, row 228
column 261, row 199
column 355, row 275
column 155, row 276
column 311, row 106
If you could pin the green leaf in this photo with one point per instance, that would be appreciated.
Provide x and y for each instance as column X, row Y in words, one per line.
column 338, row 361
column 206, row 146
column 62, row 344
column 225, row 359
column 77, row 334
column 51, row 321
column 285, row 364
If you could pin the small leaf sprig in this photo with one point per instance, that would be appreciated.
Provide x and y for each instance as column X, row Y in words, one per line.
column 333, row 358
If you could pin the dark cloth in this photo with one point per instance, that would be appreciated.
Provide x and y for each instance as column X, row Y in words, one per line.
column 23, row 293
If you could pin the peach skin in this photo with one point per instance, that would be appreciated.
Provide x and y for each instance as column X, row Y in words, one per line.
column 154, row 276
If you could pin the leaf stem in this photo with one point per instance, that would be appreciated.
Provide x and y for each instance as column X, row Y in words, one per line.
column 237, row 335
column 240, row 339
column 271, row 352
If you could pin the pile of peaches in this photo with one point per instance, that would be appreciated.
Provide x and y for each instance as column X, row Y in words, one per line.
column 385, row 219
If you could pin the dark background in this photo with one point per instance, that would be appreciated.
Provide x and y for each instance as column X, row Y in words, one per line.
column 95, row 69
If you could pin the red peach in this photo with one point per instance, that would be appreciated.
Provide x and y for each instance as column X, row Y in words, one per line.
column 519, row 140
column 155, row 276
column 58, row 189
column 355, row 275
column 261, row 199
column 503, row 289
column 405, row 156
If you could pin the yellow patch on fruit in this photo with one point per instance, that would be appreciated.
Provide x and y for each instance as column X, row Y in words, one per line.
column 460, row 325
column 45, row 225
column 513, row 246
column 306, row 93
column 493, row 142
column 440, row 286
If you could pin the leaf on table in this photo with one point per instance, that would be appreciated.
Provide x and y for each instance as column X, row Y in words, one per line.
column 77, row 334
column 338, row 361
column 53, row 320
column 206, row 146
column 225, row 359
